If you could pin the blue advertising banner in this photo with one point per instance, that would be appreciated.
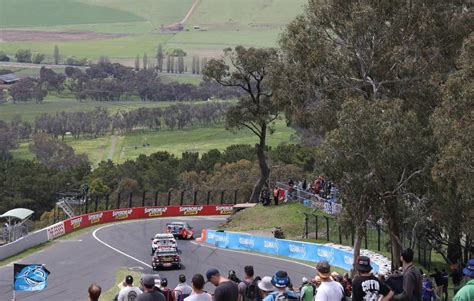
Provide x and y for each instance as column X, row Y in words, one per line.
column 281, row 247
column 29, row 277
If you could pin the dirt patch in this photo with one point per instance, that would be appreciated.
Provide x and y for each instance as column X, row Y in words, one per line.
column 19, row 35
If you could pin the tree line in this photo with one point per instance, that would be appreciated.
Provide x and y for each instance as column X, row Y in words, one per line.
column 107, row 81
column 99, row 121
column 35, row 184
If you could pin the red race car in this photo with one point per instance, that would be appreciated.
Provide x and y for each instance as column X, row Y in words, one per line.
column 180, row 230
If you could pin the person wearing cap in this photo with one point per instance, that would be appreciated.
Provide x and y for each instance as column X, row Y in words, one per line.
column 149, row 292
column 266, row 287
column 183, row 289
column 128, row 292
column 329, row 290
column 281, row 281
column 367, row 287
column 412, row 280
column 466, row 293
column 198, row 290
column 226, row 290
column 307, row 290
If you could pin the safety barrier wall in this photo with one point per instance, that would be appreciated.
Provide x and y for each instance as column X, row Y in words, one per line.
column 26, row 242
column 86, row 220
column 281, row 247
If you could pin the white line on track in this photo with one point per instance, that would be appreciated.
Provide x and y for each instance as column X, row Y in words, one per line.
column 94, row 234
column 115, row 249
column 253, row 254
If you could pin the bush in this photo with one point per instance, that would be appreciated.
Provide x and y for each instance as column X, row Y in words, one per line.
column 23, row 56
column 73, row 61
column 38, row 58
column 4, row 57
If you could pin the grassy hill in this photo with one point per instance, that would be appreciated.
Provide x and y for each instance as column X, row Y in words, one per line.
column 121, row 29
column 130, row 146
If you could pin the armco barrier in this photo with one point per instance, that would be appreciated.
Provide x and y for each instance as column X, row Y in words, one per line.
column 281, row 247
column 86, row 220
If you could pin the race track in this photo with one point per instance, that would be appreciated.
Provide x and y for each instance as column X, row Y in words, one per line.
column 95, row 256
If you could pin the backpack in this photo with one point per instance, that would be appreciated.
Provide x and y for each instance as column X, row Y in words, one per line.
column 283, row 297
column 252, row 292
column 168, row 294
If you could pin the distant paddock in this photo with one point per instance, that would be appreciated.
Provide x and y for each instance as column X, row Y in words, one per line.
column 20, row 35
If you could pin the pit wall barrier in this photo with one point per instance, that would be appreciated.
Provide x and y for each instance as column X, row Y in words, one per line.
column 285, row 248
column 85, row 220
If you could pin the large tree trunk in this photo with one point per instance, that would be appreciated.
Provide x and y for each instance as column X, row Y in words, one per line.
column 454, row 243
column 395, row 245
column 264, row 170
column 357, row 245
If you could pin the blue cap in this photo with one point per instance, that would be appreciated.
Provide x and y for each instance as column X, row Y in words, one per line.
column 211, row 272
column 469, row 269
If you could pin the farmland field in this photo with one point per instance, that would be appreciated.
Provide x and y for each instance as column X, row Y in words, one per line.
column 130, row 146
column 121, row 29
column 29, row 111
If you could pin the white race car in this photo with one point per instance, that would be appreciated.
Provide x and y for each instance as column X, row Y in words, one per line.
column 165, row 241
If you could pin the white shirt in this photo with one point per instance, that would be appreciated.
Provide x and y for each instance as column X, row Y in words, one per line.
column 182, row 289
column 329, row 291
column 199, row 297
column 129, row 293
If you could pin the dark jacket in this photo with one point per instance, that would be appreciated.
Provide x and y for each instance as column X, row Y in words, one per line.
column 412, row 285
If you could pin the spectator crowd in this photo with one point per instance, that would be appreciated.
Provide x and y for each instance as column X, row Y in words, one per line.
column 409, row 284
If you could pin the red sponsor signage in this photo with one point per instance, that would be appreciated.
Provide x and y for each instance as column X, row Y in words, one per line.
column 107, row 216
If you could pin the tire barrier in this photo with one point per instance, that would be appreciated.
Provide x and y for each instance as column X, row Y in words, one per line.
column 85, row 220
column 336, row 255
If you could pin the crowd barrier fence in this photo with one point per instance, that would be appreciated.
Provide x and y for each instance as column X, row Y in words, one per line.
column 286, row 248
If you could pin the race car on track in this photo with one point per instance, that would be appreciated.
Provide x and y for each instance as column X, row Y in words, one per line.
column 163, row 240
column 180, row 230
column 166, row 258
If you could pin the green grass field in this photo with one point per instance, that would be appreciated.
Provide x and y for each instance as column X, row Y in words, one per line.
column 59, row 12
column 223, row 23
column 130, row 146
column 29, row 111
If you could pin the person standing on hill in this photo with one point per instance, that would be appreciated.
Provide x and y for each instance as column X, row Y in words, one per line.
column 226, row 290
column 329, row 290
column 248, row 289
column 367, row 287
column 198, row 293
column 412, row 281
column 466, row 293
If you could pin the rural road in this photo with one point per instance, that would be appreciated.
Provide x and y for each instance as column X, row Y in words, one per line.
column 76, row 263
column 190, row 11
column 113, row 144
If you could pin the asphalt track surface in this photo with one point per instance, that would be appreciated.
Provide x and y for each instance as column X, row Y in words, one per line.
column 95, row 256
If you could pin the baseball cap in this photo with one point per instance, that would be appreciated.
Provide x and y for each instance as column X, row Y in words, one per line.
column 129, row 279
column 210, row 273
column 148, row 280
column 469, row 269
column 362, row 264
column 324, row 269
